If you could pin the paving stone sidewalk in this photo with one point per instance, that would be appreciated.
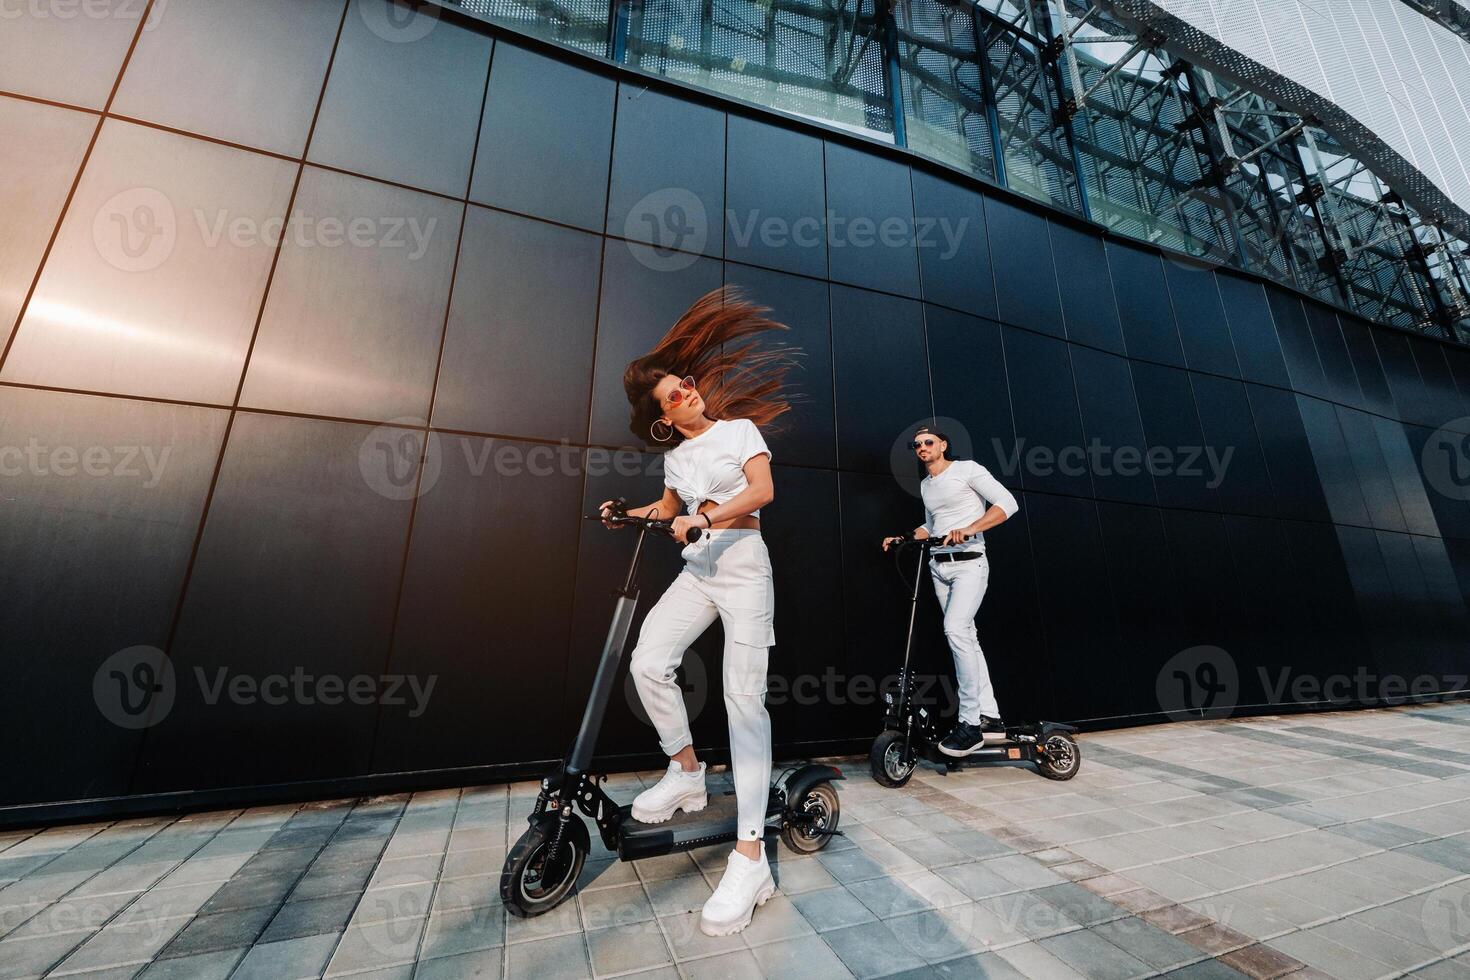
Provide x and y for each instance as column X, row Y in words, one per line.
column 1303, row 846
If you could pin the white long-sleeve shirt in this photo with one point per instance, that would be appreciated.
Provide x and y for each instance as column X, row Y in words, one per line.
column 958, row 497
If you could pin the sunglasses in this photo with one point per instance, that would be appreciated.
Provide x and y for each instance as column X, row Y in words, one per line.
column 921, row 442
column 686, row 386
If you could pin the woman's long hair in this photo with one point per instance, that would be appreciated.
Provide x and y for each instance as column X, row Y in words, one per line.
column 717, row 341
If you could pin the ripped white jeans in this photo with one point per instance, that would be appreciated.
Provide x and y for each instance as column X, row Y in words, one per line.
column 726, row 574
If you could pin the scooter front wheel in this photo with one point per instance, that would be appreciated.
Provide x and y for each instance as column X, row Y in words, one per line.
column 887, row 762
column 533, row 881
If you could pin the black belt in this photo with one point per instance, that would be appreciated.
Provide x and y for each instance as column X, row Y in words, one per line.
column 956, row 555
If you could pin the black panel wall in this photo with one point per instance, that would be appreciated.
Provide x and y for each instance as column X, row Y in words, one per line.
column 369, row 464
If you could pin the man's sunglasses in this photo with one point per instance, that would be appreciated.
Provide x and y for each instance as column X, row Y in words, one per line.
column 686, row 386
column 921, row 442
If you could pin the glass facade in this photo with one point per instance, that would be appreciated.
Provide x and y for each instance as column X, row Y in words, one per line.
column 1116, row 129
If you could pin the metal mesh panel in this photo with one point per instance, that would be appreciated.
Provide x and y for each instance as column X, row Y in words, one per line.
column 580, row 24
column 1037, row 156
column 1146, row 175
column 804, row 58
column 943, row 92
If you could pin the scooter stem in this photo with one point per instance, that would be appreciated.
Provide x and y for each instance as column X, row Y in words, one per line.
column 908, row 645
column 607, row 667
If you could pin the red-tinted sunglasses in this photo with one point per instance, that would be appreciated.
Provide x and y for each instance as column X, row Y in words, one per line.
column 686, row 386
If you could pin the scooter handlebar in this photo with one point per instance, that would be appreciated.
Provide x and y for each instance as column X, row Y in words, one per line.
column 657, row 526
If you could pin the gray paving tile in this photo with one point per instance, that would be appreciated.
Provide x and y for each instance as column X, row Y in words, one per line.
column 805, row 956
column 34, row 956
column 291, row 959
column 222, row 930
column 204, row 966
column 464, row 931
column 1094, row 957
column 558, row 958
column 832, row 908
column 629, row 947
column 1152, row 945
column 871, row 950
column 310, row 917
column 1080, row 904
column 488, row 964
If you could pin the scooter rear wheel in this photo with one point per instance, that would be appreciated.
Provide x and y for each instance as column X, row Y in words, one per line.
column 530, row 883
column 820, row 809
column 887, row 761
column 1062, row 757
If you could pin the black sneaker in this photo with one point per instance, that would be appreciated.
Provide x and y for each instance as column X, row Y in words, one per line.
column 992, row 726
column 962, row 740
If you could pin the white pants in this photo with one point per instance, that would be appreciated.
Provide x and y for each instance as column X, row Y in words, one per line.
column 960, row 586
column 727, row 573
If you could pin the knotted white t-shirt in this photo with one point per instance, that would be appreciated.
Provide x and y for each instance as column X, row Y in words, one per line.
column 958, row 497
column 711, row 466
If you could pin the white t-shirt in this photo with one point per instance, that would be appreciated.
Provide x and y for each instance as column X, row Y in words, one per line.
column 711, row 465
column 959, row 496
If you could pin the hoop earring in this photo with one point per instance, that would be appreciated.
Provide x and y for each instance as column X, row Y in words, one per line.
column 653, row 431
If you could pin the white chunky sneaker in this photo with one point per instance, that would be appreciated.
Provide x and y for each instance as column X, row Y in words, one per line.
column 745, row 885
column 678, row 790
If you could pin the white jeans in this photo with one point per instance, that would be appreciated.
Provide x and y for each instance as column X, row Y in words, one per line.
column 727, row 573
column 960, row 586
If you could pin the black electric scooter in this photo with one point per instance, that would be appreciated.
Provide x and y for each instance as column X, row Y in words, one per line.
column 911, row 733
column 542, row 868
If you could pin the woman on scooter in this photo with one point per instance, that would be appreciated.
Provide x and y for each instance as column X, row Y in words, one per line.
column 702, row 395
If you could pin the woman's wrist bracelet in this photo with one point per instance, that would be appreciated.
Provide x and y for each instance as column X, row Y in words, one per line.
column 707, row 521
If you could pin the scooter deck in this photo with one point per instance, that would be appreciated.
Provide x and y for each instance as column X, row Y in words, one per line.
column 715, row 824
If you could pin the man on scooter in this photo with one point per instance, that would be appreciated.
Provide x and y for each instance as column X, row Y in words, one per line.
column 962, row 500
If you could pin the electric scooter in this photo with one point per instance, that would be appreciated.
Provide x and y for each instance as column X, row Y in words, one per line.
column 911, row 733
column 542, row 868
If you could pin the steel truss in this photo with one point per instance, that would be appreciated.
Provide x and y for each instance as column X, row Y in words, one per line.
column 1062, row 100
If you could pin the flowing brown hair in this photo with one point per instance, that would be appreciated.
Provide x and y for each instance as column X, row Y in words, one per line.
column 745, row 380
